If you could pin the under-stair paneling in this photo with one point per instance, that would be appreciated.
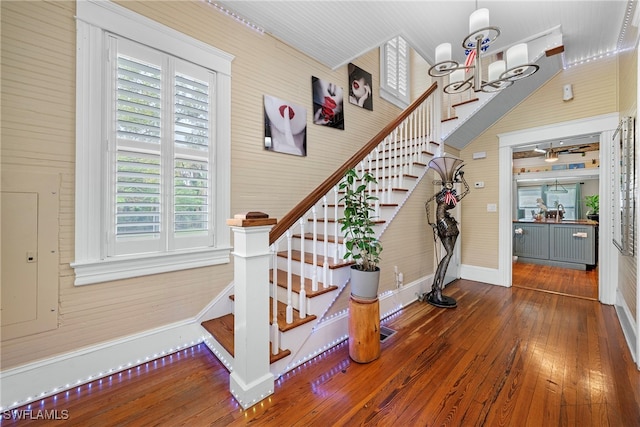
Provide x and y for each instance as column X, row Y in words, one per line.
column 594, row 88
column 627, row 105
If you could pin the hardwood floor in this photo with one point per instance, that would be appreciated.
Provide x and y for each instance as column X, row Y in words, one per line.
column 564, row 281
column 504, row 356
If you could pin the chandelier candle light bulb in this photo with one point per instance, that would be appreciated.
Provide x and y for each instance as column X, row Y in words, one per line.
column 443, row 52
column 517, row 55
column 478, row 20
column 457, row 76
column 496, row 69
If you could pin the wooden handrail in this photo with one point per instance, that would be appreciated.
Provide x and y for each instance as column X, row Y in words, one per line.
column 307, row 203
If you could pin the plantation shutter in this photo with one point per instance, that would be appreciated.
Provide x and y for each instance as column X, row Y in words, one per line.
column 192, row 162
column 162, row 158
column 396, row 53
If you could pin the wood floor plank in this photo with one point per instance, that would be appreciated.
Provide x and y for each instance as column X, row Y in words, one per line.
column 503, row 357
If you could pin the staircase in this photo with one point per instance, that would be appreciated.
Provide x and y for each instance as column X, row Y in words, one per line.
column 307, row 271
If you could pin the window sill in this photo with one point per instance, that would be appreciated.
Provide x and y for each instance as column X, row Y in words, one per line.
column 392, row 98
column 90, row 272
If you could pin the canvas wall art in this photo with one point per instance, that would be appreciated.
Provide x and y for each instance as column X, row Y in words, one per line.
column 285, row 126
column 327, row 104
column 360, row 87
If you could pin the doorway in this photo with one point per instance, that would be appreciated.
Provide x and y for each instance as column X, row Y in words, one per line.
column 604, row 125
column 551, row 180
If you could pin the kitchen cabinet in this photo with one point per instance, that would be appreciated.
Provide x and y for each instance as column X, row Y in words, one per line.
column 570, row 244
column 531, row 240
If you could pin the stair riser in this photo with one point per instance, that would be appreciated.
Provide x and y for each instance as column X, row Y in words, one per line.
column 296, row 244
column 315, row 305
column 310, row 270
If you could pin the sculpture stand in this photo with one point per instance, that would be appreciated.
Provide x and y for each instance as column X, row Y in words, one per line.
column 364, row 329
column 442, row 302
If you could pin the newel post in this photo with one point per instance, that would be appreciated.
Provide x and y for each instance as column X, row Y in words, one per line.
column 251, row 379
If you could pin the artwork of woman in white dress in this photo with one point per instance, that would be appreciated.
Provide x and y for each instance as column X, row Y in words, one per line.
column 285, row 127
column 327, row 104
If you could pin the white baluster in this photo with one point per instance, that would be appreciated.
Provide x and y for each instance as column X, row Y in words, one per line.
column 289, row 311
column 325, row 264
column 403, row 152
column 412, row 142
column 302, row 306
column 275, row 331
column 314, row 283
column 335, row 221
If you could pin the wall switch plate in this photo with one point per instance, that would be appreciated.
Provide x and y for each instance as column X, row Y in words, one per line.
column 492, row 207
column 479, row 184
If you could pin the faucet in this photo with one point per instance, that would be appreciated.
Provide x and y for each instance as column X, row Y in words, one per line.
column 558, row 216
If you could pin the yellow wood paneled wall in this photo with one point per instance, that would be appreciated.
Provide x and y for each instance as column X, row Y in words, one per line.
column 594, row 88
column 627, row 88
column 38, row 133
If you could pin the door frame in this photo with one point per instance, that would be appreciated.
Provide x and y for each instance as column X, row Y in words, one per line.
column 605, row 125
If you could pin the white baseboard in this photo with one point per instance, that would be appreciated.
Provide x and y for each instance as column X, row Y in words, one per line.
column 480, row 274
column 628, row 325
column 37, row 380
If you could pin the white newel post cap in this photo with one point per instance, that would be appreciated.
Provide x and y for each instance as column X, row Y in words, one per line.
column 251, row 219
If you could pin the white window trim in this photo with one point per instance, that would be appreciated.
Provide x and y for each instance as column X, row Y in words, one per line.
column 390, row 94
column 91, row 263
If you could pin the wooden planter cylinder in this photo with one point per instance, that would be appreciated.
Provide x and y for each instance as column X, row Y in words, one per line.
column 364, row 329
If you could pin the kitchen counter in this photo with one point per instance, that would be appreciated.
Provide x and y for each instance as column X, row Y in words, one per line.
column 551, row 221
column 568, row 243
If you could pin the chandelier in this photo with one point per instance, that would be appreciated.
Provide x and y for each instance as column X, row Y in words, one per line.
column 501, row 73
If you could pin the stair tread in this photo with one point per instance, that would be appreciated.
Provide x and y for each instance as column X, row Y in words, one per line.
column 308, row 259
column 468, row 101
column 381, row 204
column 448, row 119
column 221, row 328
column 283, row 326
column 295, row 284
column 375, row 221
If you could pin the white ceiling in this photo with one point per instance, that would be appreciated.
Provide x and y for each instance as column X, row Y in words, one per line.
column 337, row 32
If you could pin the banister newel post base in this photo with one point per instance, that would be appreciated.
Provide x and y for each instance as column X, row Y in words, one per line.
column 251, row 379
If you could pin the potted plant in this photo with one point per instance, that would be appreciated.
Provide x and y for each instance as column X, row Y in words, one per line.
column 593, row 203
column 360, row 238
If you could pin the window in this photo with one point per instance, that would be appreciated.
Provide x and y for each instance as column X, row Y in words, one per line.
column 153, row 144
column 528, row 199
column 394, row 72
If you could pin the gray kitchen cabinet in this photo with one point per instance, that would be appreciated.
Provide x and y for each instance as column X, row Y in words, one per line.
column 572, row 243
column 531, row 240
column 564, row 244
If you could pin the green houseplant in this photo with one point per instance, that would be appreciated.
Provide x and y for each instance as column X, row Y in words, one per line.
column 360, row 239
column 593, row 203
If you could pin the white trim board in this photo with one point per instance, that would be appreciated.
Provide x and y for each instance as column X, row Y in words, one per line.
column 37, row 380
column 627, row 323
